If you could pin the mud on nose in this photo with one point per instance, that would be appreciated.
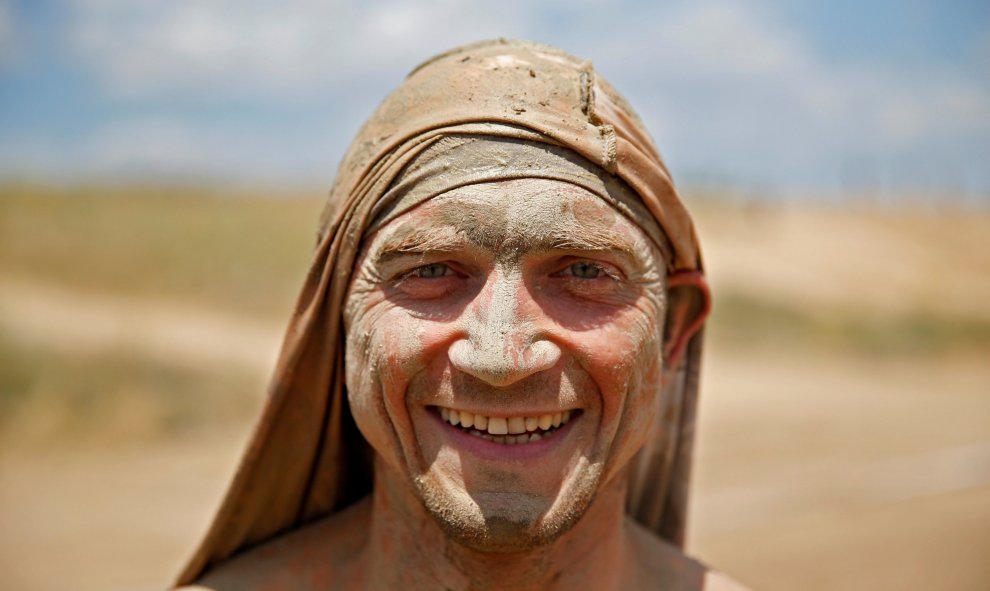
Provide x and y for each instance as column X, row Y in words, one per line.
column 506, row 364
column 503, row 343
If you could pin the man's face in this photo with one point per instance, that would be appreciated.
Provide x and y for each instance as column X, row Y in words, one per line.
column 530, row 310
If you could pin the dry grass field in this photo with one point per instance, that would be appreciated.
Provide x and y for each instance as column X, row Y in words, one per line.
column 845, row 422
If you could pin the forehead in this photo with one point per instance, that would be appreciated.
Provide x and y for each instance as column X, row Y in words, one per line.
column 517, row 215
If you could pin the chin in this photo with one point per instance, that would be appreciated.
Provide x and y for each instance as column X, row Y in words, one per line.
column 507, row 522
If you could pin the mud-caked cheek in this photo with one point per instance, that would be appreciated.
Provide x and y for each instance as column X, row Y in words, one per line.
column 643, row 391
column 403, row 350
column 370, row 363
column 620, row 357
column 366, row 370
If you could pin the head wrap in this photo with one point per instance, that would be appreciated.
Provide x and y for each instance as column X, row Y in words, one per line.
column 535, row 111
column 456, row 161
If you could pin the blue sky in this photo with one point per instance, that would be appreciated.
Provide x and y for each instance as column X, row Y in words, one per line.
column 787, row 96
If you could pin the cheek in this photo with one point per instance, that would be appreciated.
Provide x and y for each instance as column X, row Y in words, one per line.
column 624, row 360
column 364, row 359
column 626, row 357
column 387, row 348
column 643, row 389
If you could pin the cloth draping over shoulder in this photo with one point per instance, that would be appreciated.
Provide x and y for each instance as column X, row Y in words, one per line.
column 306, row 458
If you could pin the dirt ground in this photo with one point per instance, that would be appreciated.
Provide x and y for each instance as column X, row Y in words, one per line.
column 816, row 469
column 833, row 473
column 812, row 474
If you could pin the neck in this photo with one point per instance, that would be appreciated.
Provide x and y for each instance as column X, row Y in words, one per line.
column 407, row 549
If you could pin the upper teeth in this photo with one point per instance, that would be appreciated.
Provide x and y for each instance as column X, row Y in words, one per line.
column 504, row 425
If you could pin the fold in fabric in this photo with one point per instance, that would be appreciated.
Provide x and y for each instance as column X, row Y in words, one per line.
column 543, row 111
column 457, row 161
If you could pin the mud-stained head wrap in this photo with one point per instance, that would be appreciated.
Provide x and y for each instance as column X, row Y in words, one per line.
column 478, row 113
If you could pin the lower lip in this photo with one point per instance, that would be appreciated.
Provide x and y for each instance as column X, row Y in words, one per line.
column 501, row 451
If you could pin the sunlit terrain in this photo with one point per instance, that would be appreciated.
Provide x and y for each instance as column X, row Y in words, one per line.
column 845, row 421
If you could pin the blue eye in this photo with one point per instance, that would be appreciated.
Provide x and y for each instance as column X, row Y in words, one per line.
column 585, row 270
column 432, row 271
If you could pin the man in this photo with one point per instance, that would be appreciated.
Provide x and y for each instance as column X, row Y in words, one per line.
column 490, row 378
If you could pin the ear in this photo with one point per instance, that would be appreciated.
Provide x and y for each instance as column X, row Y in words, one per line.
column 688, row 304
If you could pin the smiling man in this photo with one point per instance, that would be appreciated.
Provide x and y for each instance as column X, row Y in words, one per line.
column 491, row 375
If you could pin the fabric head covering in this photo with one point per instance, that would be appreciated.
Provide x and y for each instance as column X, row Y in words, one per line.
column 490, row 111
column 456, row 161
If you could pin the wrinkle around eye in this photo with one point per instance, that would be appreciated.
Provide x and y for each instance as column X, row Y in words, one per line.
column 429, row 281
column 431, row 271
column 579, row 270
column 595, row 280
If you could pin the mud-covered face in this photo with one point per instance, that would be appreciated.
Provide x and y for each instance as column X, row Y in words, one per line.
column 503, row 354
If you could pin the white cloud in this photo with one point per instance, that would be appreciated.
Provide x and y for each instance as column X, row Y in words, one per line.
column 726, row 38
column 293, row 48
column 726, row 85
column 741, row 92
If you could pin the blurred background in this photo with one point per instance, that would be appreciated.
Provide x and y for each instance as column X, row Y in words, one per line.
column 162, row 166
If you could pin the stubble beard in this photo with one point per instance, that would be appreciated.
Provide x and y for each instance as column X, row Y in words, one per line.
column 507, row 522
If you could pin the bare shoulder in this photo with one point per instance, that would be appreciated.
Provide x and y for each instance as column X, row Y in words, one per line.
column 661, row 565
column 321, row 555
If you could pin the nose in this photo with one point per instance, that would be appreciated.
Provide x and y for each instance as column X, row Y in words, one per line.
column 503, row 343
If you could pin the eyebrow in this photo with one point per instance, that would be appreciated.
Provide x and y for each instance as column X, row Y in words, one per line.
column 589, row 240
column 597, row 240
column 419, row 242
column 443, row 239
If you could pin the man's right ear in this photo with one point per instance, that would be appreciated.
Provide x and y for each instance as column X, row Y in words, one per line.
column 689, row 302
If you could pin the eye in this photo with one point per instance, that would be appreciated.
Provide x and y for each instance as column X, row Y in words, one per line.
column 430, row 281
column 590, row 278
column 432, row 271
column 585, row 270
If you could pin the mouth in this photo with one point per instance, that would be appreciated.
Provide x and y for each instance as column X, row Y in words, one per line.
column 513, row 430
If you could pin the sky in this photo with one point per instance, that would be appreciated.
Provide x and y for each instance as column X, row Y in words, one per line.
column 780, row 96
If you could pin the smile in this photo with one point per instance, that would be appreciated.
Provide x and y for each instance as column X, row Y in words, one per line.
column 506, row 430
